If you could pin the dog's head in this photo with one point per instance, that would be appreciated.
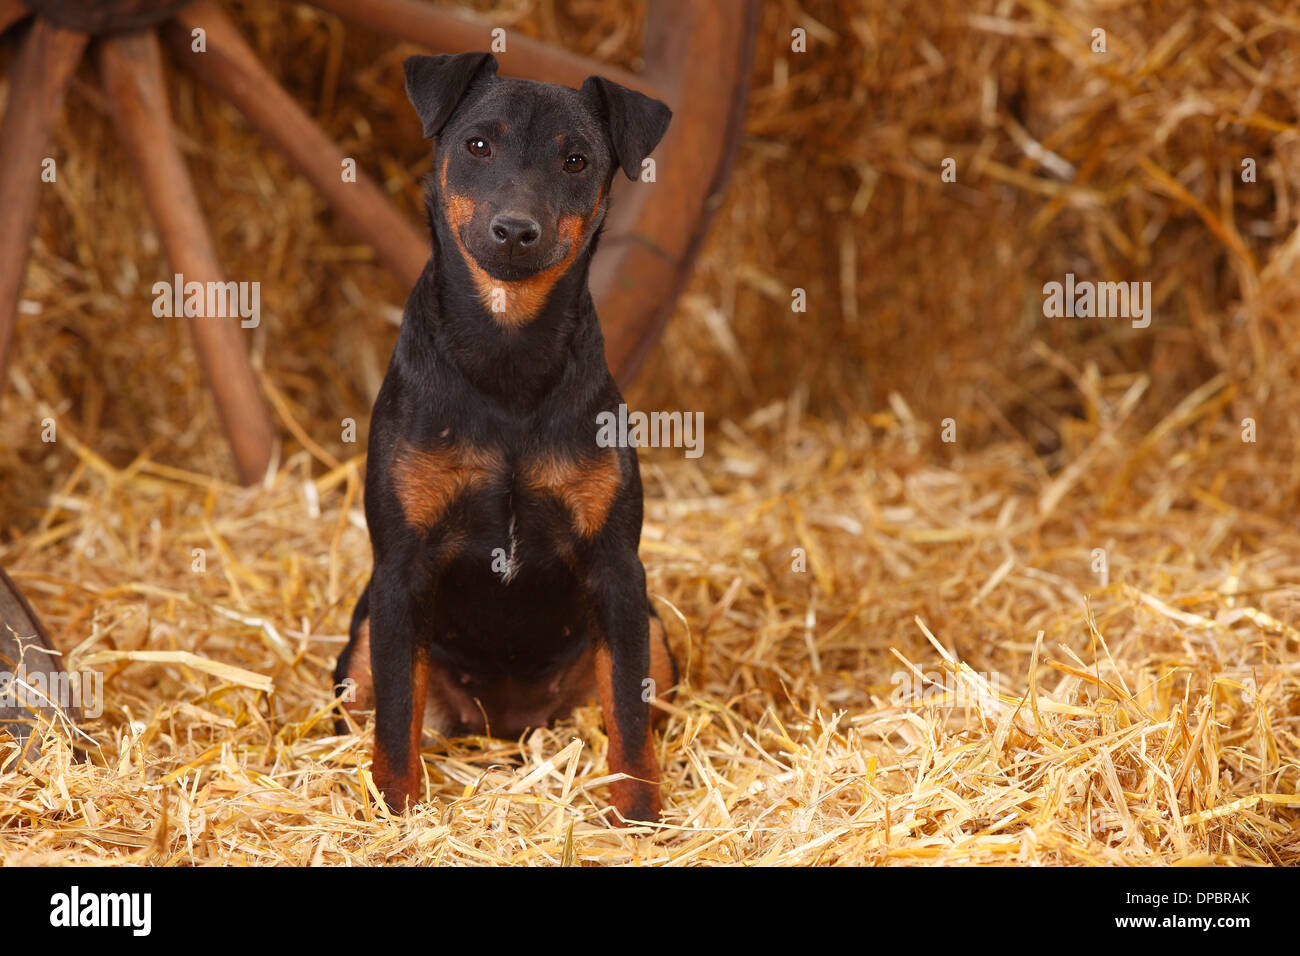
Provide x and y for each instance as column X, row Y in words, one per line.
column 524, row 168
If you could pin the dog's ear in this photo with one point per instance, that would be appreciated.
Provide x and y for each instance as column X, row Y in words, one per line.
column 437, row 84
column 636, row 122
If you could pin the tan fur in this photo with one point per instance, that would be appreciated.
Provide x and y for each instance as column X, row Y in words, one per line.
column 586, row 489
column 661, row 667
column 402, row 786
column 632, row 757
column 359, row 671
column 429, row 482
column 506, row 707
column 524, row 298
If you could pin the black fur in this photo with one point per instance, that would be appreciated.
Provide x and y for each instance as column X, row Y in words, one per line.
column 436, row 84
column 636, row 122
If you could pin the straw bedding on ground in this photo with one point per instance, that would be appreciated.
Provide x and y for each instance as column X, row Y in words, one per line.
column 826, row 550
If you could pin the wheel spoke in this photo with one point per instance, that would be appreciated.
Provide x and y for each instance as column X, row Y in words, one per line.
column 449, row 31
column 36, row 83
column 706, row 49
column 231, row 68
column 137, row 97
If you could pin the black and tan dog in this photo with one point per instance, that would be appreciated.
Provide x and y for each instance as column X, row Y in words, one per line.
column 506, row 586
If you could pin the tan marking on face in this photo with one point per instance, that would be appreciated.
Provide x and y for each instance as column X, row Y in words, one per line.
column 586, row 489
column 522, row 299
column 460, row 210
column 428, row 482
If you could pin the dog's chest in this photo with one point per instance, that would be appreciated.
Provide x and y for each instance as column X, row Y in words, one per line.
column 502, row 498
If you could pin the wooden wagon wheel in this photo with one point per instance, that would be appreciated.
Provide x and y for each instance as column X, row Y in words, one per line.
column 697, row 56
column 26, row 651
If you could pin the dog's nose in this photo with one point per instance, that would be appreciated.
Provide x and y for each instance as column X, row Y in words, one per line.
column 513, row 231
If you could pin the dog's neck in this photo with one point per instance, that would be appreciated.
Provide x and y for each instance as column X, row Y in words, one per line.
column 511, row 341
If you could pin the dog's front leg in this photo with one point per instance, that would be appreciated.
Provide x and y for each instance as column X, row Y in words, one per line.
column 619, row 615
column 399, row 666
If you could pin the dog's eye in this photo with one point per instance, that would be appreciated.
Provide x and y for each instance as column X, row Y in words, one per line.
column 574, row 163
column 478, row 146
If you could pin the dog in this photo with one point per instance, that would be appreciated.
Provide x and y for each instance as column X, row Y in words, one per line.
column 506, row 587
